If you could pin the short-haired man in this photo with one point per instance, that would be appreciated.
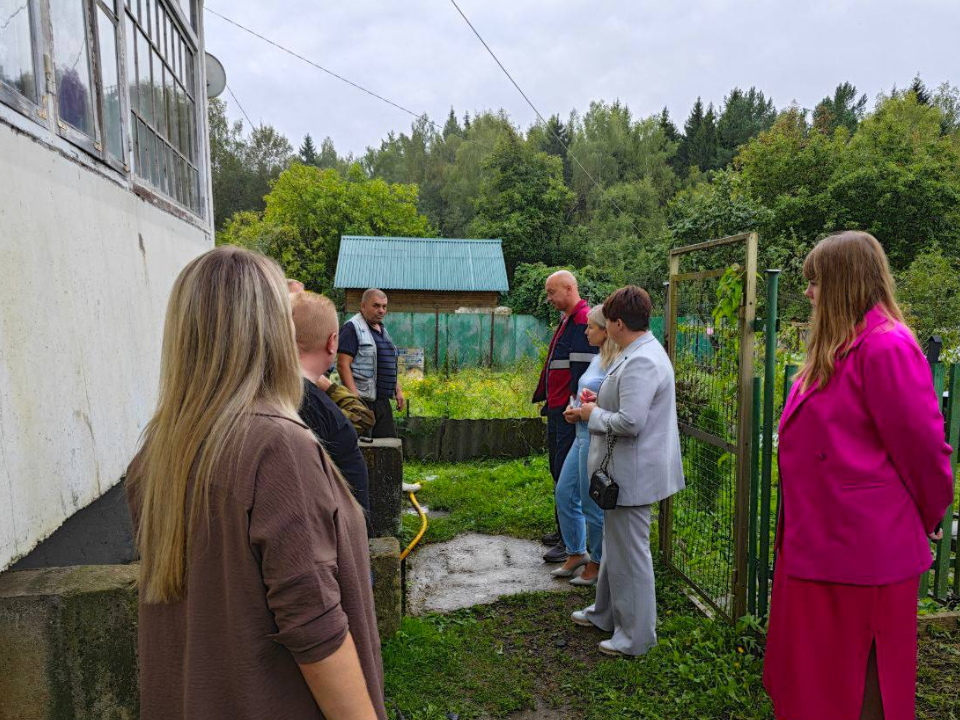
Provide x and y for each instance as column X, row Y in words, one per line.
column 367, row 362
column 294, row 286
column 569, row 356
column 315, row 322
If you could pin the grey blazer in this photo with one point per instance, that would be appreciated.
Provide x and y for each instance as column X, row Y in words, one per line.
column 638, row 401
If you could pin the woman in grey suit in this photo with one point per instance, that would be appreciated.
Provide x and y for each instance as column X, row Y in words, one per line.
column 637, row 405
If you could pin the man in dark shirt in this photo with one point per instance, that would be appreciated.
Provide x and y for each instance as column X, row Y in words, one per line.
column 367, row 362
column 315, row 320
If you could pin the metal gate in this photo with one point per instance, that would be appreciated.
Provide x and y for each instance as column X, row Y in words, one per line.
column 710, row 334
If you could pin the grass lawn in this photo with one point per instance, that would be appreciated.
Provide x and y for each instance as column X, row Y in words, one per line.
column 493, row 497
column 491, row 661
column 475, row 393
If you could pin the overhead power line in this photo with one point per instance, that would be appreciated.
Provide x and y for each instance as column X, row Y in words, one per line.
column 230, row 90
column 339, row 77
column 318, row 66
column 416, row 115
column 603, row 192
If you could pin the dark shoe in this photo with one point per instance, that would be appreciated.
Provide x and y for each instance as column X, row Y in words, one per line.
column 550, row 538
column 556, row 554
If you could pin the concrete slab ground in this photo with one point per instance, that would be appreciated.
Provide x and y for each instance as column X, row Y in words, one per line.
column 475, row 569
column 543, row 712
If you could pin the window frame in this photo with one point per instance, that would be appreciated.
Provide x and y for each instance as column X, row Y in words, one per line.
column 121, row 164
column 91, row 144
column 36, row 111
column 191, row 157
column 175, row 20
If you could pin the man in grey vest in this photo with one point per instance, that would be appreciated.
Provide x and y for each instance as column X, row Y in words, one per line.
column 367, row 362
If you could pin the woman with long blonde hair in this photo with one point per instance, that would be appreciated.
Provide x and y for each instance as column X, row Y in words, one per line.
column 581, row 519
column 255, row 598
column 865, row 479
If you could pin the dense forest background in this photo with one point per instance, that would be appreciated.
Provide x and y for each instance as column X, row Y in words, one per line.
column 606, row 193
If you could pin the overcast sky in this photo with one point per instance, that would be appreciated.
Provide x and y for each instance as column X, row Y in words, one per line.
column 564, row 54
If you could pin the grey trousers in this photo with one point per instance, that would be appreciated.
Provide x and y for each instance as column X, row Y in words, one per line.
column 626, row 602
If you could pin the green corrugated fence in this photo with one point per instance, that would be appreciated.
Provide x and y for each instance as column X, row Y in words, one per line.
column 453, row 340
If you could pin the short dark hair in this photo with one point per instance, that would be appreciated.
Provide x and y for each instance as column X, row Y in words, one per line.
column 630, row 304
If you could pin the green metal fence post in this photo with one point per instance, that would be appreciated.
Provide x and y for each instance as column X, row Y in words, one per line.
column 937, row 370
column 789, row 373
column 769, row 380
column 754, row 499
column 951, row 414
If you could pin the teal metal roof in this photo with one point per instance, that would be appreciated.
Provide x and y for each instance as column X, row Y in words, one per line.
column 392, row 263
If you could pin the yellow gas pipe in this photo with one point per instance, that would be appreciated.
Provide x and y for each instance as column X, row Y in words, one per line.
column 411, row 489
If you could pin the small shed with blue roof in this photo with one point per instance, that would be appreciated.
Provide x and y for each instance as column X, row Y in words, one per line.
column 422, row 274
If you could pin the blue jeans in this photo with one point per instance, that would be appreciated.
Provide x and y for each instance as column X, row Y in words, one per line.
column 581, row 519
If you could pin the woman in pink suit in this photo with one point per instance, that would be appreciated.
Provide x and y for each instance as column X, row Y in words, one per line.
column 865, row 476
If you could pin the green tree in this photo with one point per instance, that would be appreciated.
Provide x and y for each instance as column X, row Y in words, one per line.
column 528, row 296
column 699, row 146
column 919, row 89
column 523, row 201
column 328, row 159
column 242, row 168
column 465, row 170
column 844, row 109
column 788, row 168
column 947, row 99
column 673, row 136
column 452, row 126
column 308, row 151
column 553, row 138
column 899, row 178
column 929, row 293
column 745, row 115
column 229, row 175
column 308, row 210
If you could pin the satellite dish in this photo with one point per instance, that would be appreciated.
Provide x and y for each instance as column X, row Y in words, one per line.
column 216, row 77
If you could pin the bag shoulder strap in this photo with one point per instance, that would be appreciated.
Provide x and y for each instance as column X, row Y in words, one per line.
column 611, row 443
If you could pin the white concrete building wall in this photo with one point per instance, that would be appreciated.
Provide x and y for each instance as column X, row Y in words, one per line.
column 86, row 267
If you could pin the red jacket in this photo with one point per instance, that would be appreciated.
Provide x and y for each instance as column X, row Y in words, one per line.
column 570, row 355
column 864, row 468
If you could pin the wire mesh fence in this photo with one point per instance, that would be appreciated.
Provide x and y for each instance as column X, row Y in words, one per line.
column 710, row 339
column 707, row 367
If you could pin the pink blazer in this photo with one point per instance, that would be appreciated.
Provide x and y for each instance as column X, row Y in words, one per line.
column 864, row 468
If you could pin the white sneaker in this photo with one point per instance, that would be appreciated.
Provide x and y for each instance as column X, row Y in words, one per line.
column 608, row 649
column 579, row 617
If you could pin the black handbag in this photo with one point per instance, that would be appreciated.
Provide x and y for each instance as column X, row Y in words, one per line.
column 604, row 490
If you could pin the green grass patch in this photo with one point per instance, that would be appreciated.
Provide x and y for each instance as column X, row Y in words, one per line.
column 475, row 393
column 493, row 497
column 498, row 659
column 938, row 675
column 495, row 660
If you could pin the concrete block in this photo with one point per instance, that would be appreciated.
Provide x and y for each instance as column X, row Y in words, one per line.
column 384, row 459
column 387, row 587
column 68, row 644
column 68, row 637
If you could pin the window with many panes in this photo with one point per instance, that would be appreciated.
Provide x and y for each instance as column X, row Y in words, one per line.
column 115, row 77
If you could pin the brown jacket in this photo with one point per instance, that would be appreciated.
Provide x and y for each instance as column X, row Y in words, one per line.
column 278, row 577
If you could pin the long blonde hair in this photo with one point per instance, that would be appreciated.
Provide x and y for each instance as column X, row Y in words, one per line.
column 609, row 350
column 228, row 345
column 853, row 276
